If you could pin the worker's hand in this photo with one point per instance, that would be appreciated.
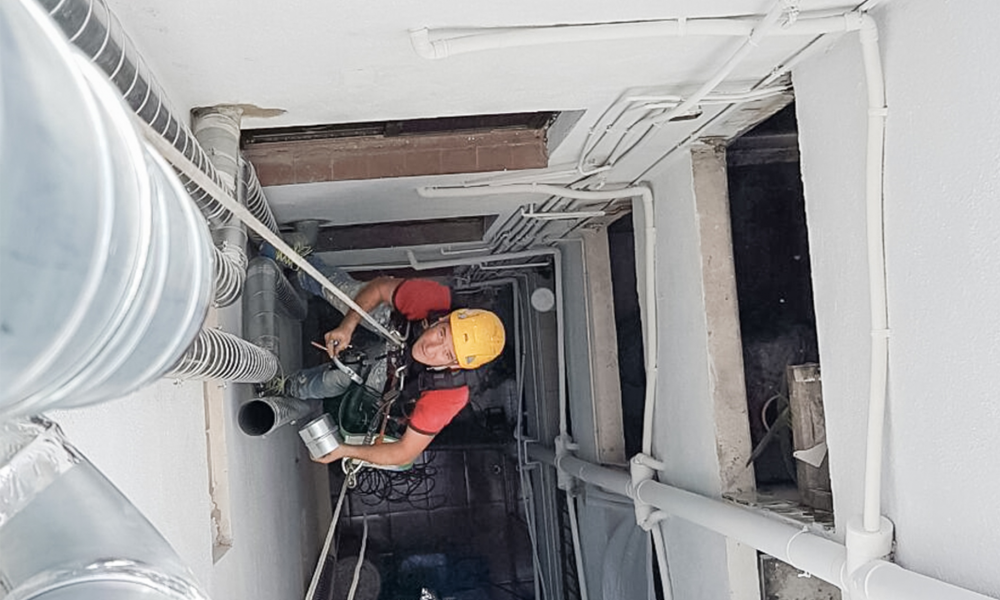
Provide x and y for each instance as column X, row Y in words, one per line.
column 338, row 339
column 337, row 454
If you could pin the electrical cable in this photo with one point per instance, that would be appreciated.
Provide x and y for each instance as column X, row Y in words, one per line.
column 414, row 486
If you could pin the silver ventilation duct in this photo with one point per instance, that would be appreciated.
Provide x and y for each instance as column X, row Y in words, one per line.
column 261, row 416
column 69, row 533
column 93, row 28
column 218, row 131
column 254, row 198
column 106, row 262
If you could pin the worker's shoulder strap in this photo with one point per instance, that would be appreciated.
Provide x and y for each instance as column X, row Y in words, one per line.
column 447, row 379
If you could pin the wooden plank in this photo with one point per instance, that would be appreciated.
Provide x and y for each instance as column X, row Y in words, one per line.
column 805, row 396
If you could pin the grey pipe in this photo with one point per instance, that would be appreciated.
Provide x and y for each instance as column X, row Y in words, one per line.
column 268, row 294
column 219, row 355
column 217, row 129
column 261, row 416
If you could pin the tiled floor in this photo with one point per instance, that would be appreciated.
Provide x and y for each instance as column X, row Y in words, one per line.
column 462, row 532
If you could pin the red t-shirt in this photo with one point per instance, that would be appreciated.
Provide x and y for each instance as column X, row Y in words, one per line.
column 436, row 408
column 416, row 299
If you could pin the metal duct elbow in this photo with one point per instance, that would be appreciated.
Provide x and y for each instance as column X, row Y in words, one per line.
column 219, row 355
column 230, row 272
column 68, row 532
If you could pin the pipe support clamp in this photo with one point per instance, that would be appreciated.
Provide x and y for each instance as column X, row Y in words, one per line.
column 641, row 469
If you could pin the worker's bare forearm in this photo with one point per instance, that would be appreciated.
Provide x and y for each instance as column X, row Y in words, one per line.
column 403, row 452
column 380, row 454
column 372, row 294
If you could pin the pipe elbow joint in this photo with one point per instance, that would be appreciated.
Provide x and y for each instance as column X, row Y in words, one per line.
column 867, row 27
column 420, row 38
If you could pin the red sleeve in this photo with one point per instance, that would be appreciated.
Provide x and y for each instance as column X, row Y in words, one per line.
column 417, row 298
column 436, row 408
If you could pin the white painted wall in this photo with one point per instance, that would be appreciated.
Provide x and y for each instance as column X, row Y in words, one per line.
column 151, row 445
column 684, row 429
column 942, row 214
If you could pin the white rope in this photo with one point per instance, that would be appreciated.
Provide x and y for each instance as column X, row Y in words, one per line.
column 361, row 559
column 193, row 173
column 326, row 546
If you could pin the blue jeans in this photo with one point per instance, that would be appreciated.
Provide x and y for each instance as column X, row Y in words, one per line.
column 326, row 381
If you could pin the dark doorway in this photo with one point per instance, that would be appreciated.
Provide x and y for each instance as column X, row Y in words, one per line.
column 631, row 368
column 773, row 282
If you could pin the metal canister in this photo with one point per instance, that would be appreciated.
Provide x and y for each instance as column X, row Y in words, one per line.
column 321, row 436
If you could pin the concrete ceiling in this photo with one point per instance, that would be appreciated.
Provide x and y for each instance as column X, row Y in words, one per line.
column 310, row 62
column 331, row 62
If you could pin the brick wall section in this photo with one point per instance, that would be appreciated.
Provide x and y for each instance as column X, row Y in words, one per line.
column 375, row 157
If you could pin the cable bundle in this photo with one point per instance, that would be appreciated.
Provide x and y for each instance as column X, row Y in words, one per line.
column 413, row 486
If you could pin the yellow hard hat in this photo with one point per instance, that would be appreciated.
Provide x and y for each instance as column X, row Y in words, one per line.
column 478, row 336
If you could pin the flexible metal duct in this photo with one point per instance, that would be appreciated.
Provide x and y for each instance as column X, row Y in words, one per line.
column 217, row 129
column 219, row 355
column 106, row 262
column 261, row 416
column 255, row 200
column 93, row 28
column 230, row 272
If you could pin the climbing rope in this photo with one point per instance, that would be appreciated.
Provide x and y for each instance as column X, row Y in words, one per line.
column 326, row 546
column 193, row 173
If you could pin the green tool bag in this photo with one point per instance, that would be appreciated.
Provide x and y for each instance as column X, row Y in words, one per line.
column 360, row 413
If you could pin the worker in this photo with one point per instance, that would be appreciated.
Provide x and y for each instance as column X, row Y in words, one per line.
column 438, row 356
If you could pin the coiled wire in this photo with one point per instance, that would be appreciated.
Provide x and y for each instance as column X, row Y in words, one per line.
column 414, row 486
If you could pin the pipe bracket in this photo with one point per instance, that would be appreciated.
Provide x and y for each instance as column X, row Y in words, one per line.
column 641, row 470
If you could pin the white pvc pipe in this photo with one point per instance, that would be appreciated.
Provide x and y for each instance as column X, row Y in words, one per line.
column 793, row 544
column 753, row 39
column 612, row 480
column 660, row 550
column 881, row 580
column 430, row 46
column 645, row 196
column 876, row 273
column 814, row 554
